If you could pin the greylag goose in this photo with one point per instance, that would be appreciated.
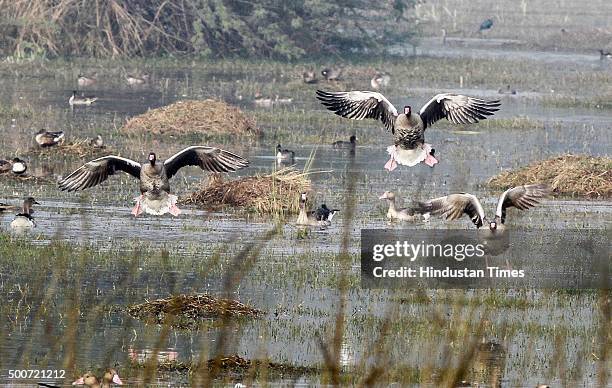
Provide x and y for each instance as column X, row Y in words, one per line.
column 284, row 155
column 16, row 166
column 331, row 74
column 132, row 79
column 309, row 77
column 85, row 80
column 154, row 175
column 453, row 206
column 345, row 145
column 408, row 128
column 403, row 214
column 309, row 218
column 323, row 213
column 90, row 380
column 47, row 138
column 81, row 100
column 24, row 220
column 380, row 80
column 604, row 55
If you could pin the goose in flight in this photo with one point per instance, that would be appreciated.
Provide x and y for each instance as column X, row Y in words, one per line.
column 154, row 175
column 453, row 206
column 408, row 128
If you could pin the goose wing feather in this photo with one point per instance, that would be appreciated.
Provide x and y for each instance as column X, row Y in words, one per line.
column 207, row 158
column 453, row 206
column 457, row 108
column 359, row 105
column 521, row 197
column 97, row 171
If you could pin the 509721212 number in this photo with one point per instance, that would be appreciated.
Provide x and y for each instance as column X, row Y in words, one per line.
column 36, row 374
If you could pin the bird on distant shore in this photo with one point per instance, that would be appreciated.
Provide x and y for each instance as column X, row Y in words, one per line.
column 85, row 80
column 380, row 80
column 309, row 77
column 408, row 128
column 75, row 99
column 331, row 74
column 453, row 206
column 154, row 175
column 487, row 24
column 48, row 138
column 133, row 79
column 284, row 155
column 16, row 166
column 604, row 55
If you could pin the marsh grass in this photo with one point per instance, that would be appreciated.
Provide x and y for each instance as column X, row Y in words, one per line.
column 574, row 175
column 78, row 147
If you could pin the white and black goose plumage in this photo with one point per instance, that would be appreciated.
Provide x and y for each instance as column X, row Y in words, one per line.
column 408, row 128
column 454, row 206
column 154, row 176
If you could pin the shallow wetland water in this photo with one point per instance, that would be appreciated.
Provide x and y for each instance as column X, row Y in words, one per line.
column 100, row 259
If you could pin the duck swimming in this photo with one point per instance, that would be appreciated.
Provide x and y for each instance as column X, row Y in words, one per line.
column 345, row 145
column 81, row 100
column 402, row 214
column 153, row 175
column 85, row 80
column 16, row 166
column 311, row 218
column 408, row 128
column 24, row 220
column 284, row 155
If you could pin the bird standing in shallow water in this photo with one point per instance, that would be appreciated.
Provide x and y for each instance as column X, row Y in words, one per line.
column 408, row 128
column 24, row 220
column 154, row 175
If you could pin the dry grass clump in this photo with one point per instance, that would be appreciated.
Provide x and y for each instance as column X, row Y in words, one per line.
column 78, row 147
column 264, row 194
column 233, row 364
column 191, row 116
column 576, row 175
column 188, row 310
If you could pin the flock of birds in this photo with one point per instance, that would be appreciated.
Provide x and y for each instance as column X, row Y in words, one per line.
column 408, row 148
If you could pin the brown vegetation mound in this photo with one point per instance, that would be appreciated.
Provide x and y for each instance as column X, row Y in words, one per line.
column 576, row 175
column 274, row 193
column 188, row 310
column 78, row 147
column 190, row 116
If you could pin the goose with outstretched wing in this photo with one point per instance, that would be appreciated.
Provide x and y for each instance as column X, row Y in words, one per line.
column 408, row 128
column 454, row 206
column 154, row 175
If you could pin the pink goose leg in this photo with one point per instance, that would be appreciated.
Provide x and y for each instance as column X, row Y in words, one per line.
column 137, row 209
column 391, row 164
column 174, row 210
column 429, row 160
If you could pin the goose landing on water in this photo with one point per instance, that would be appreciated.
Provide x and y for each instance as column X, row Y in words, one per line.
column 453, row 206
column 154, row 176
column 408, row 128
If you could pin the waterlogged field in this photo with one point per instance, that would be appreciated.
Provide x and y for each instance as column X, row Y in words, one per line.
column 65, row 288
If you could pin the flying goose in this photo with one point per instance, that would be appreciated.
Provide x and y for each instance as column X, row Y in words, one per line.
column 154, row 175
column 331, row 74
column 309, row 77
column 408, row 128
column 81, row 100
column 24, row 220
column 90, row 380
column 284, row 155
column 16, row 166
column 453, row 206
column 604, row 55
column 132, row 79
column 380, row 80
column 47, row 138
column 345, row 145
column 85, row 80
column 403, row 214
column 310, row 218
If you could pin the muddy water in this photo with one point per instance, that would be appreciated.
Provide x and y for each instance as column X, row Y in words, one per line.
column 295, row 279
